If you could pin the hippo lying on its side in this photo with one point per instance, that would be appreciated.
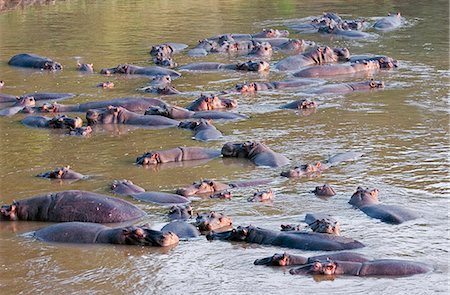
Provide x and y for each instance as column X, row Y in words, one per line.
column 296, row 240
column 338, row 69
column 318, row 56
column 27, row 60
column 127, row 188
column 211, row 187
column 72, row 205
column 178, row 113
column 92, row 233
column 136, row 70
column 182, row 229
column 204, row 130
column 62, row 173
column 258, row 153
column 120, row 115
column 381, row 267
column 212, row 221
column 60, row 121
column 286, row 259
column 177, row 155
column 367, row 201
column 211, row 102
column 250, row 66
column 390, row 22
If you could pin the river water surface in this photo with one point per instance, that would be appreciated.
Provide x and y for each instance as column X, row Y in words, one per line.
column 403, row 131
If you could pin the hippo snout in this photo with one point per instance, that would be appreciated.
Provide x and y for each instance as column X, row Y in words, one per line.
column 290, row 173
column 168, row 239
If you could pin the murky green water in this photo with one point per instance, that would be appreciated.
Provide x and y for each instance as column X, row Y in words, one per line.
column 403, row 130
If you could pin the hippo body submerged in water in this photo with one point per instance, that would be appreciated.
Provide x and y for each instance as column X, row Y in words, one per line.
column 258, row 153
column 72, row 205
column 136, row 70
column 390, row 22
column 62, row 173
column 211, row 187
column 177, row 155
column 92, row 233
column 203, row 130
column 28, row 60
column 179, row 113
column 57, row 122
column 250, row 66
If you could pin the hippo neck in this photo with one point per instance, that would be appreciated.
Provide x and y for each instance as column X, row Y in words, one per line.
column 260, row 236
column 109, row 236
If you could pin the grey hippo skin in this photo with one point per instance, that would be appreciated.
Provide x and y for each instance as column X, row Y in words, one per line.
column 390, row 22
column 28, row 60
column 85, row 68
column 72, row 205
column 120, row 115
column 318, row 56
column 57, row 122
column 182, row 229
column 92, row 233
column 207, row 222
column 291, row 239
column 21, row 103
column 62, row 173
column 367, row 201
column 178, row 113
column 177, row 155
column 324, row 191
column 286, row 259
column 349, row 87
column 127, row 188
column 258, row 153
column 381, row 267
column 136, row 70
column 338, row 69
column 252, row 87
column 180, row 212
column 210, row 187
column 203, row 130
column 251, row 66
column 37, row 96
column 211, row 102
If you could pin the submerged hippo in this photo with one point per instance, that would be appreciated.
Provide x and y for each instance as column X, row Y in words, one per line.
column 295, row 239
column 258, row 153
column 338, row 69
column 60, row 121
column 323, row 223
column 136, row 70
column 390, row 22
column 262, row 196
column 83, row 67
column 252, row 87
column 211, row 187
column 381, row 267
column 212, row 221
column 62, row 173
column 92, row 233
column 286, row 259
column 367, row 201
column 81, row 131
column 344, row 31
column 182, row 229
column 180, row 212
column 127, row 188
column 72, row 205
column 120, row 115
column 178, row 113
column 37, row 96
column 348, row 87
column 28, row 60
column 301, row 104
column 318, row 56
column 249, row 66
column 211, row 102
column 177, row 155
column 21, row 103
column 203, row 130
column 324, row 191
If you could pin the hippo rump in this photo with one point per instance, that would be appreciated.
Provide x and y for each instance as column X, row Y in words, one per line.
column 62, row 173
column 177, row 155
column 178, row 113
column 258, row 153
column 92, row 233
column 367, row 201
column 318, row 56
column 120, row 115
column 137, row 70
column 132, row 104
column 292, row 239
column 72, row 205
column 381, row 267
column 390, row 22
column 127, row 188
column 29, row 60
column 203, row 130
column 286, row 259
column 57, row 122
column 211, row 102
column 338, row 69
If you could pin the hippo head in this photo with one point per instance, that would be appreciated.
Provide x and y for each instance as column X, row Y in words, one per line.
column 258, row 66
column 125, row 187
column 236, row 150
column 162, row 110
column 162, row 50
column 149, row 158
column 387, row 63
column 326, row 267
column 63, row 121
column 49, row 108
column 52, row 66
column 226, row 39
column 109, row 115
column 89, row 68
column 8, row 212
column 25, row 101
column 161, row 80
column 105, row 85
column 143, row 236
column 275, row 260
column 236, row 234
column 180, row 211
column 306, row 104
column 324, row 191
column 295, row 44
column 326, row 226
column 58, row 173
column 212, row 221
column 208, row 45
column 208, row 103
column 305, row 169
column 263, row 49
column 198, row 187
column 222, row 195
column 363, row 197
column 261, row 196
column 81, row 131
column 343, row 53
column 165, row 61
column 272, row 33
column 120, row 69
column 246, row 88
column 291, row 227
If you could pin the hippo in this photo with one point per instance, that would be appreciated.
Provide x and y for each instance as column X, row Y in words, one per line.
column 62, row 173
column 344, row 31
column 324, row 191
column 127, row 188
column 338, row 69
column 381, row 267
column 265, row 33
column 72, row 205
column 136, row 70
column 60, row 121
column 133, row 104
column 301, row 104
column 211, row 102
column 161, row 90
column 182, row 229
column 7, row 98
column 2, row 83
column 367, row 201
column 258, row 153
column 177, row 113
column 167, row 49
column 29, row 60
column 385, row 62
column 177, row 155
column 164, row 61
column 92, row 233
column 390, row 22
column 323, row 223
column 83, row 67
column 80, row 131
column 263, row 50
column 27, row 102
column 318, row 56
column 211, row 187
column 105, row 85
column 342, row 88
column 286, row 259
column 262, row 196
column 294, row 45
column 37, row 96
column 179, row 212
column 295, row 240
column 249, row 66
column 207, row 222
column 120, row 115
column 252, row 87
column 204, row 130
column 224, row 195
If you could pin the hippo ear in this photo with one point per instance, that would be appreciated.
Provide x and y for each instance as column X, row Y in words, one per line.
column 125, row 231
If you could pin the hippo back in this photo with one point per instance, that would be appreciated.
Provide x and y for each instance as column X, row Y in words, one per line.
column 70, row 232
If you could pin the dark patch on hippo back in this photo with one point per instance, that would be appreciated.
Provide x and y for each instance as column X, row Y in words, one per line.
column 161, row 198
column 182, row 229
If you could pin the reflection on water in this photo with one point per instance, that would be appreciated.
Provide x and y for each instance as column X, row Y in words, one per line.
column 403, row 130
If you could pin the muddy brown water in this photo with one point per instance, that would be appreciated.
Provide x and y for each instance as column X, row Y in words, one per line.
column 403, row 130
